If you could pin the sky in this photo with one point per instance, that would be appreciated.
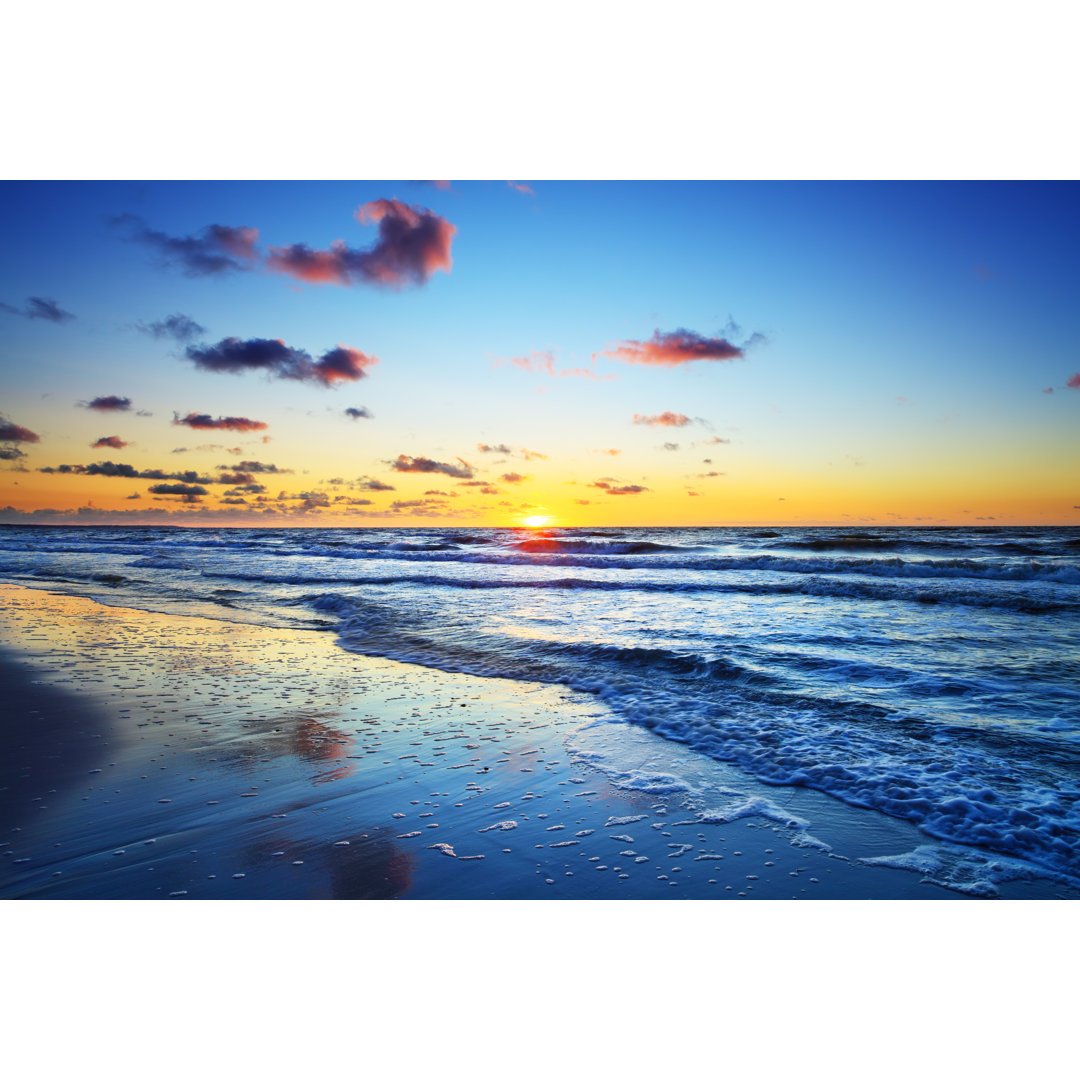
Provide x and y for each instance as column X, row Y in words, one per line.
column 506, row 353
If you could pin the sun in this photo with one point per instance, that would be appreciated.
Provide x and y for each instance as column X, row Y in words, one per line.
column 538, row 521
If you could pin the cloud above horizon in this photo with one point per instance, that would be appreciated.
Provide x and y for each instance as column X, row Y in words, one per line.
column 179, row 327
column 675, row 348
column 612, row 489
column 39, row 307
column 412, row 243
column 362, row 413
column 110, row 403
column 12, row 432
column 664, row 419
column 112, row 441
column 405, row 463
column 542, row 362
column 205, row 422
column 124, row 471
column 217, row 249
column 278, row 360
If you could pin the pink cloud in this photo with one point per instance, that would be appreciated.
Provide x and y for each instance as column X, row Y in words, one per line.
column 543, row 363
column 1073, row 381
column 110, row 440
column 665, row 419
column 674, row 348
column 523, row 188
column 624, row 489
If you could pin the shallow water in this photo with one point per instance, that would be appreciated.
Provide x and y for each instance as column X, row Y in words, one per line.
column 931, row 675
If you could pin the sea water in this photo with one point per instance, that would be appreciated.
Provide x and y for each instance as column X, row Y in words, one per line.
column 930, row 674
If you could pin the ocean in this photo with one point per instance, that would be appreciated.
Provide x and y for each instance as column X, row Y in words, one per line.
column 924, row 674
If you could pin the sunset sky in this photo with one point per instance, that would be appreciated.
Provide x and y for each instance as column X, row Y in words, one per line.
column 497, row 352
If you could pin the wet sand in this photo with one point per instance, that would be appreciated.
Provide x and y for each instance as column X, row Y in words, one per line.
column 150, row 756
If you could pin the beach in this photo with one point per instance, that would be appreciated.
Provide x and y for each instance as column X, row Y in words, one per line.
column 155, row 756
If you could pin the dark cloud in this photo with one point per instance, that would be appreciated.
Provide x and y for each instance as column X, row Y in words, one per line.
column 677, row 347
column 11, row 453
column 664, row 419
column 235, row 478
column 404, row 463
column 513, row 478
column 188, row 491
column 341, row 364
column 257, row 467
column 205, row 422
column 112, row 441
column 368, row 483
column 114, row 469
column 501, row 448
column 234, row 501
column 39, row 307
column 178, row 327
column 412, row 244
column 111, row 403
column 359, row 414
column 11, row 432
column 611, row 489
column 217, row 249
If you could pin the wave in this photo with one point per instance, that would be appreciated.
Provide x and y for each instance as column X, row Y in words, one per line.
column 966, row 785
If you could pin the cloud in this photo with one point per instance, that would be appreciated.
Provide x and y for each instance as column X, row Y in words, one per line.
column 112, row 403
column 178, row 327
column 675, row 348
column 715, row 440
column 39, row 307
column 412, row 244
column 257, row 467
column 205, row 422
column 188, row 491
column 611, row 452
column 523, row 188
column 363, row 413
column 1048, row 390
column 217, row 249
column 671, row 446
column 664, row 419
column 611, row 489
column 113, row 441
column 502, row 448
column 12, row 432
column 1073, row 381
column 113, row 468
column 439, row 185
column 404, row 463
column 982, row 272
column 368, row 483
column 341, row 364
column 513, row 478
column 543, row 363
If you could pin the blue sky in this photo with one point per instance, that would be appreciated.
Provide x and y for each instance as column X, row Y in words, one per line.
column 895, row 336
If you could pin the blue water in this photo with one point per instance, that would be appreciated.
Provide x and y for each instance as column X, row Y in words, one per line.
column 928, row 674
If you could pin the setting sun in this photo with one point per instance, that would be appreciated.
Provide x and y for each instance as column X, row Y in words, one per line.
column 538, row 521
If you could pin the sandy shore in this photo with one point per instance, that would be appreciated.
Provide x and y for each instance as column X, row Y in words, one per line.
column 155, row 756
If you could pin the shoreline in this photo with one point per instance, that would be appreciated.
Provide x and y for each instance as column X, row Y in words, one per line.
column 165, row 756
